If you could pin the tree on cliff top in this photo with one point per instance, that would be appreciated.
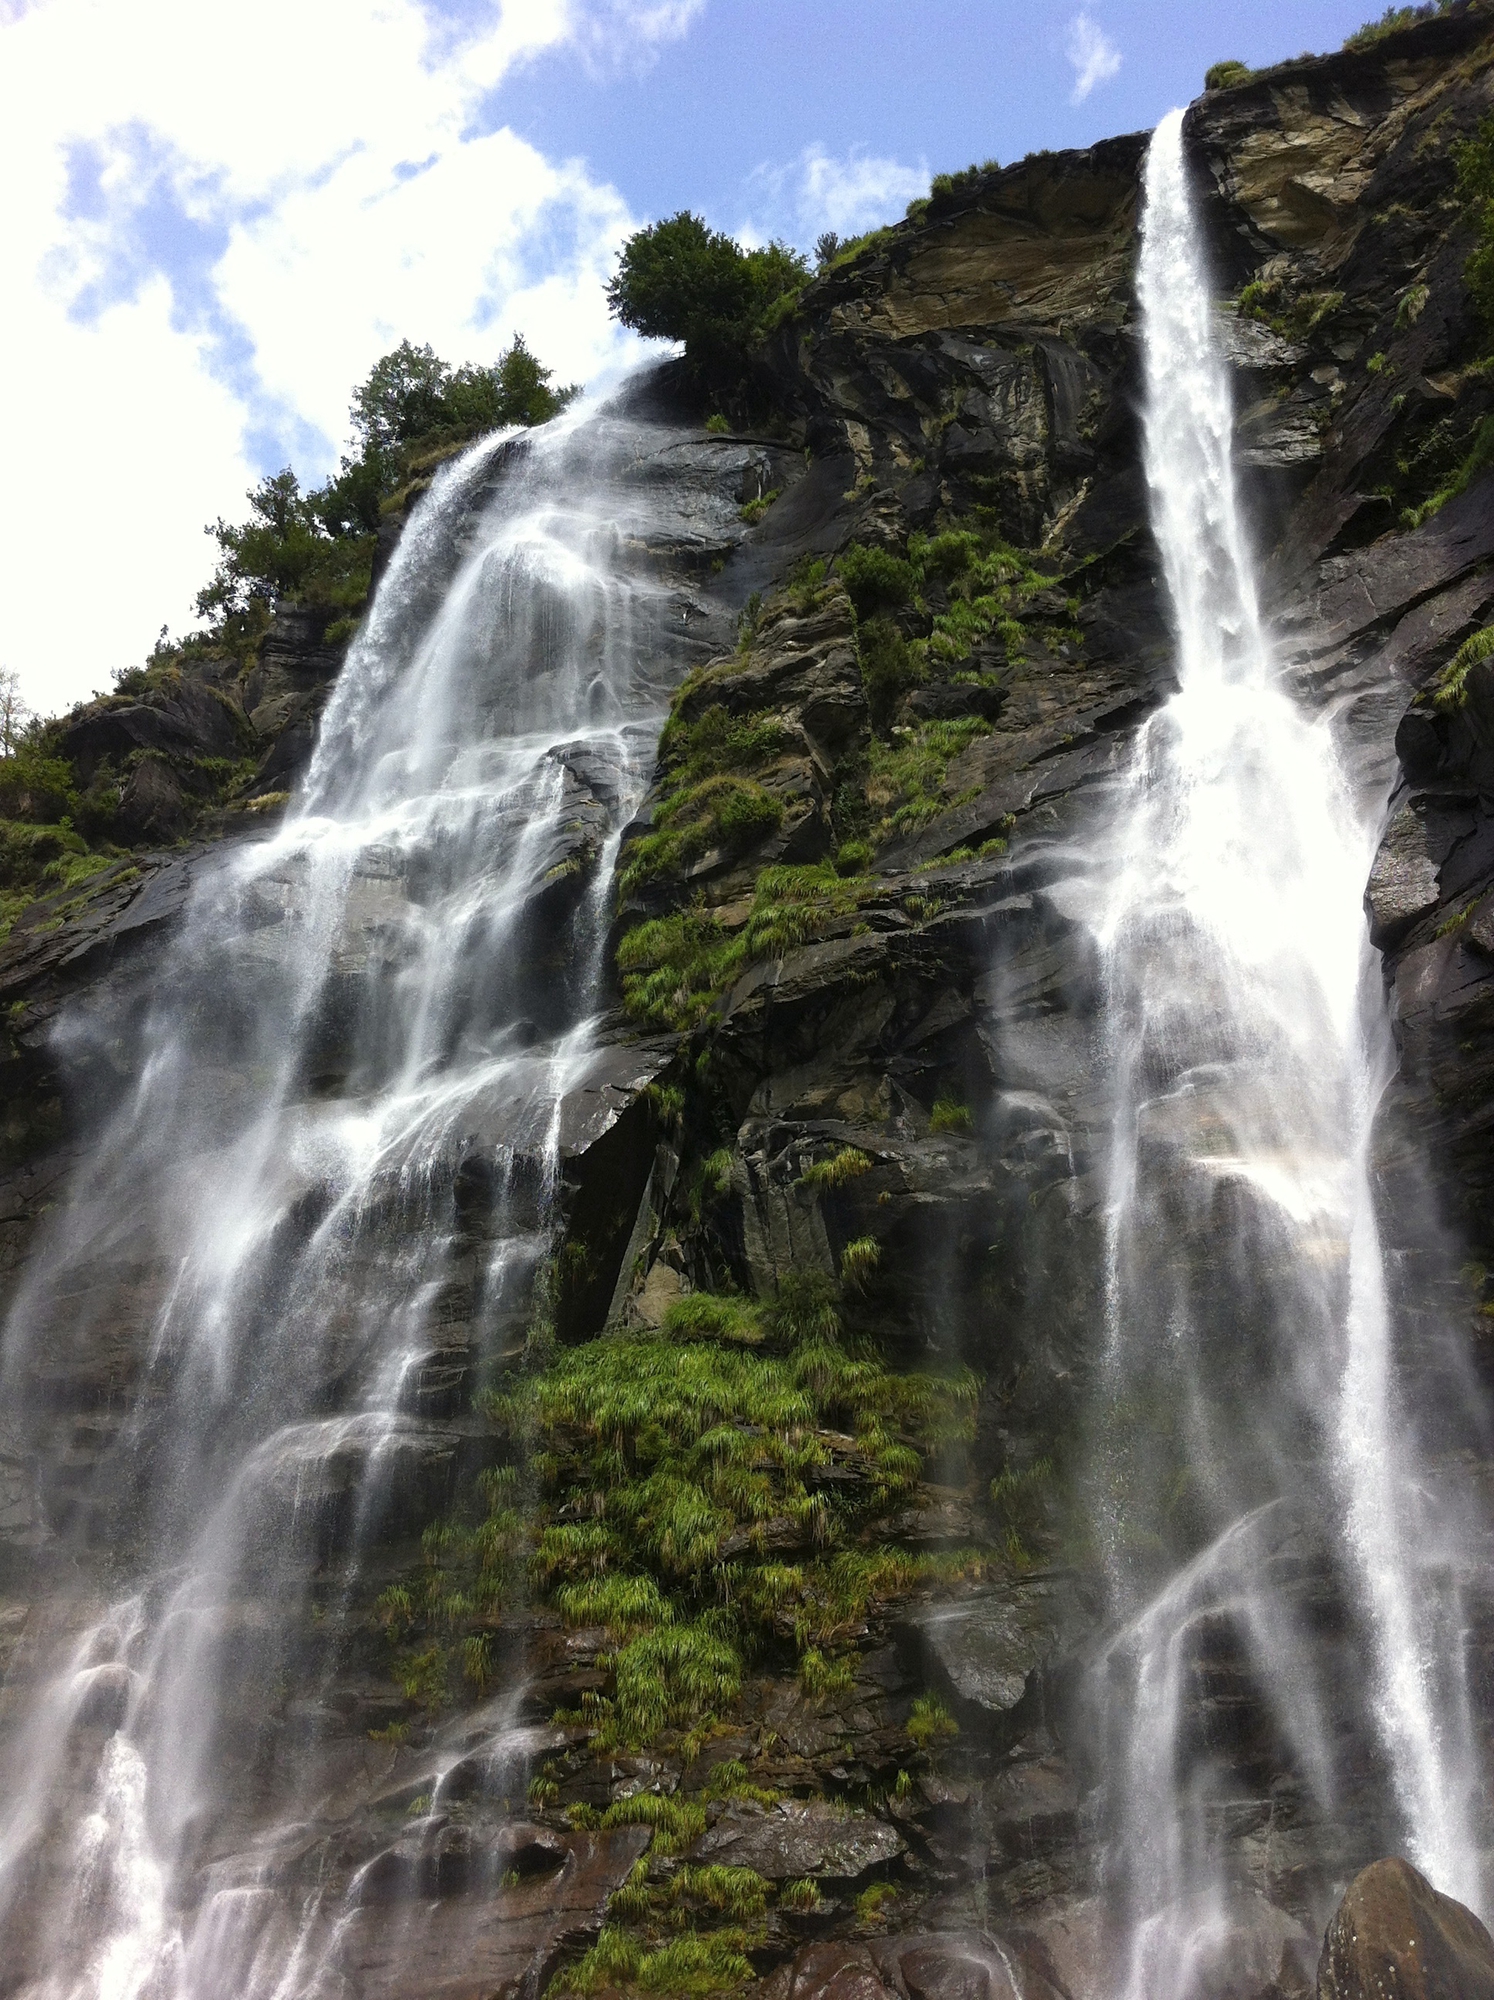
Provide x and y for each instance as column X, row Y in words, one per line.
column 317, row 547
column 679, row 280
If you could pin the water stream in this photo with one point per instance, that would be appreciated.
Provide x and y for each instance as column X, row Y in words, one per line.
column 1271, row 1539
column 317, row 1211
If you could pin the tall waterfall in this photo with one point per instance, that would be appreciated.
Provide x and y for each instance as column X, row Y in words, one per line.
column 329, row 1184
column 1270, row 1537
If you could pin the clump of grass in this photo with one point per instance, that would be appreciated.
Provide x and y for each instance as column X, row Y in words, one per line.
column 1226, row 75
column 859, row 1262
column 842, row 1166
column 802, row 1897
column 754, row 510
column 717, row 424
column 821, row 1676
column 949, row 1115
column 906, row 777
column 1450, row 689
column 714, row 1962
column 931, row 1722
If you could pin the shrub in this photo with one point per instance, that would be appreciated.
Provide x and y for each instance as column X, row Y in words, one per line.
column 889, row 668
column 1225, row 75
column 680, row 280
column 1392, row 21
column 875, row 579
column 947, row 188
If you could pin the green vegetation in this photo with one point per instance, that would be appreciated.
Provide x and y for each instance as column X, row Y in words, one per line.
column 931, row 1722
column 946, row 189
column 680, row 280
column 675, row 968
column 414, row 410
column 949, row 1115
column 1478, row 458
column 1450, row 689
column 706, row 800
column 314, row 550
column 1392, row 21
column 1295, row 316
column 1225, row 75
column 654, row 1463
column 1474, row 159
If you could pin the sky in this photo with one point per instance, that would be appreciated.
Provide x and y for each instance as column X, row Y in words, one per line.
column 219, row 213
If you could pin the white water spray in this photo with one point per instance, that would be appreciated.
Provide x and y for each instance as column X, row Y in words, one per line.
column 323, row 1199
column 1250, row 1386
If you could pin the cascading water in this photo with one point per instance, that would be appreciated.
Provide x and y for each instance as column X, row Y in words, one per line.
column 319, row 1210
column 1270, row 1537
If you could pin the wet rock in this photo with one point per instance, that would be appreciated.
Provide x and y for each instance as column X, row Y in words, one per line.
column 990, row 1645
column 1403, row 882
column 1395, row 1935
column 797, row 1838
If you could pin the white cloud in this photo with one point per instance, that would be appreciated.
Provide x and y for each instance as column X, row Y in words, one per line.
column 216, row 218
column 1094, row 57
column 817, row 192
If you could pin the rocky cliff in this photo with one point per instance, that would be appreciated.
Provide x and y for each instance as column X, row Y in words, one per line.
column 850, row 1079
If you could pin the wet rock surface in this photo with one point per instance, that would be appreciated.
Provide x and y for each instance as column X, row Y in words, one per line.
column 939, row 1028
column 1393, row 1933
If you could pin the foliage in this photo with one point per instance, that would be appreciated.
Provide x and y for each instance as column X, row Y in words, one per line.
column 680, row 280
column 316, row 548
column 931, row 1722
column 1225, row 75
column 949, row 1115
column 712, row 1962
column 834, row 1172
column 1474, row 159
column 1450, row 689
column 675, row 968
column 706, row 801
column 1393, row 20
column 875, row 579
column 905, row 785
column 945, row 189
column 889, row 668
column 667, row 1447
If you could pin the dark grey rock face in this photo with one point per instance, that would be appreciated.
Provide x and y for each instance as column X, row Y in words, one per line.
column 984, row 358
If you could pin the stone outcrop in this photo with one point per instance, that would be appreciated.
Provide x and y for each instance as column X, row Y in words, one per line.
column 1394, row 1934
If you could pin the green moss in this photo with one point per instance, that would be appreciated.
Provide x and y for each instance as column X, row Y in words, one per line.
column 717, row 424
column 676, row 968
column 1226, row 75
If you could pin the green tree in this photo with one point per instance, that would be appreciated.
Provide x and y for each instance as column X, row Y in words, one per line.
column 680, row 280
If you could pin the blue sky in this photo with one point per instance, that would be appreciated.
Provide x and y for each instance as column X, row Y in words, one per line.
column 218, row 215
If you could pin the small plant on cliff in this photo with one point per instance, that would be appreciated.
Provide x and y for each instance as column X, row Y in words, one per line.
column 1393, row 20
column 1225, row 75
column 1474, row 159
column 1450, row 689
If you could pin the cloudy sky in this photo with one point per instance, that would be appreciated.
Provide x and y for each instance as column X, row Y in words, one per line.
column 218, row 213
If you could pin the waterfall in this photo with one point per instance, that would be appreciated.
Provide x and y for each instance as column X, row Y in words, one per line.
column 316, row 1214
column 1270, row 1535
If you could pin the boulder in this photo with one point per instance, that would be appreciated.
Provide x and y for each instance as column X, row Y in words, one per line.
column 798, row 1838
column 1395, row 1935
